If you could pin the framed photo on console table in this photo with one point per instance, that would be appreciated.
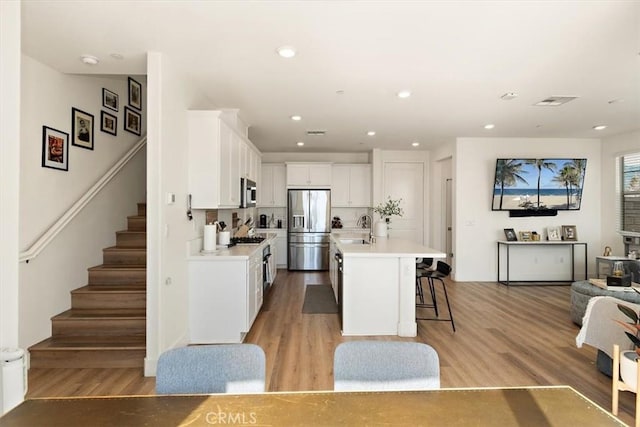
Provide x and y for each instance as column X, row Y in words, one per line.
column 510, row 234
column 553, row 233
column 525, row 236
column 569, row 232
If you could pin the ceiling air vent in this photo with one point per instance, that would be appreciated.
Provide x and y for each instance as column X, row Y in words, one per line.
column 555, row 101
column 316, row 132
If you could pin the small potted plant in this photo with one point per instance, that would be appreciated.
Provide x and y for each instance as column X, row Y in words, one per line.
column 628, row 358
column 386, row 211
column 389, row 208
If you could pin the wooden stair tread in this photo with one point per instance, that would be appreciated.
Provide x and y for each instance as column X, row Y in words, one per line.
column 91, row 343
column 119, row 267
column 122, row 313
column 124, row 249
column 134, row 289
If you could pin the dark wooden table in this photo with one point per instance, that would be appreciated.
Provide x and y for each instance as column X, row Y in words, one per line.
column 535, row 406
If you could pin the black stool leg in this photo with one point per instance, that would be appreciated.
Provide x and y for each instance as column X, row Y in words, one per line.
column 446, row 297
column 419, row 291
column 432, row 289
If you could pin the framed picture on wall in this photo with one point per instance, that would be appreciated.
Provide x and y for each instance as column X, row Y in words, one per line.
column 108, row 123
column 81, row 129
column 135, row 94
column 110, row 99
column 132, row 121
column 55, row 149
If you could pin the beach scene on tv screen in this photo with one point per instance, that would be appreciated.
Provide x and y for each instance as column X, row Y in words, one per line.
column 538, row 184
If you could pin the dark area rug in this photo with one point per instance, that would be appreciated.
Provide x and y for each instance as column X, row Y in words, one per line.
column 319, row 299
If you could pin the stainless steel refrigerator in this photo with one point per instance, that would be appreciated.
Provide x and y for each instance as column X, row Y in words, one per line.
column 309, row 226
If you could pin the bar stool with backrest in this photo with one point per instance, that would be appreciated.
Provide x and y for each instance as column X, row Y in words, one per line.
column 441, row 271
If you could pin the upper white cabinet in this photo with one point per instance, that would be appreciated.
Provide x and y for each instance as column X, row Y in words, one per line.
column 272, row 185
column 309, row 175
column 218, row 157
column 249, row 160
column 351, row 185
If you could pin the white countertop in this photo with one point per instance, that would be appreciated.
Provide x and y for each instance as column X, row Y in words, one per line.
column 385, row 247
column 234, row 253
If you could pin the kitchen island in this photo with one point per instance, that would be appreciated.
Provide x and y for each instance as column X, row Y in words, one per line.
column 378, row 295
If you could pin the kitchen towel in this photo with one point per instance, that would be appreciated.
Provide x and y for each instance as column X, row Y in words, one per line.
column 210, row 237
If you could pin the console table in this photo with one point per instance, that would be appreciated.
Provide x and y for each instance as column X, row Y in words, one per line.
column 531, row 406
column 572, row 244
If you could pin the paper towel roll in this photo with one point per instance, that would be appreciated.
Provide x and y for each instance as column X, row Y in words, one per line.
column 224, row 237
column 210, row 237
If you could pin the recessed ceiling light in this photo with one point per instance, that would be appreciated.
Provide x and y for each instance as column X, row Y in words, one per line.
column 89, row 59
column 509, row 96
column 286, row 51
column 489, row 126
column 415, row 144
column 296, row 118
column 299, row 143
column 404, row 94
column 600, row 127
column 371, row 133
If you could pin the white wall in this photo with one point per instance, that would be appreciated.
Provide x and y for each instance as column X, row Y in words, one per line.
column 612, row 148
column 45, row 194
column 478, row 227
column 171, row 95
column 9, row 171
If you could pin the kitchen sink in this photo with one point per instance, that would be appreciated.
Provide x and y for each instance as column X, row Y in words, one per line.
column 354, row 241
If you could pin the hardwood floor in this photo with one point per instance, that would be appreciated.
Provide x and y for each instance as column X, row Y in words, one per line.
column 506, row 337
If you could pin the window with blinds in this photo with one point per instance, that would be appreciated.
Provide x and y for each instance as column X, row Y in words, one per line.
column 630, row 192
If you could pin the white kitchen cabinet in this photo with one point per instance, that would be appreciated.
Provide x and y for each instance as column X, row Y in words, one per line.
column 317, row 175
column 272, row 185
column 351, row 185
column 249, row 159
column 281, row 249
column 225, row 296
column 229, row 174
column 214, row 156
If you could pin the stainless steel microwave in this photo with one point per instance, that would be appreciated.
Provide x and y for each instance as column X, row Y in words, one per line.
column 248, row 196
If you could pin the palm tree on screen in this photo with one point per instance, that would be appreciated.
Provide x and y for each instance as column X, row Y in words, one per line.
column 581, row 166
column 568, row 177
column 540, row 164
column 507, row 175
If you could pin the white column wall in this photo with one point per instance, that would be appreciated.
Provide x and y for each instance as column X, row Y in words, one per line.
column 9, row 171
column 171, row 95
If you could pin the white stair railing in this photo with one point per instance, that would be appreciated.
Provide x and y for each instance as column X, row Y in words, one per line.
column 39, row 245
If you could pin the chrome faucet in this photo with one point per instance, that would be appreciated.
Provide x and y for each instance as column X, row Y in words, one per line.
column 372, row 238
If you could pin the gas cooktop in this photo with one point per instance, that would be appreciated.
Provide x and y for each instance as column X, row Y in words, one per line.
column 250, row 240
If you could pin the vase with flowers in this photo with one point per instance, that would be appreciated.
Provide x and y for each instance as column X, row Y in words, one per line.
column 386, row 210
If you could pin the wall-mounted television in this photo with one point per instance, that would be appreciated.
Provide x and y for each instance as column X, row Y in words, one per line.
column 538, row 184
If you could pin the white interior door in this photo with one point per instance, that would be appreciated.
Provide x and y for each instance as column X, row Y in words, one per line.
column 405, row 180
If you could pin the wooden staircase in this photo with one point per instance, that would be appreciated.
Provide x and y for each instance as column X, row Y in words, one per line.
column 106, row 325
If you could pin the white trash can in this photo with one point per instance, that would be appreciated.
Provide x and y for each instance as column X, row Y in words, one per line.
column 13, row 378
